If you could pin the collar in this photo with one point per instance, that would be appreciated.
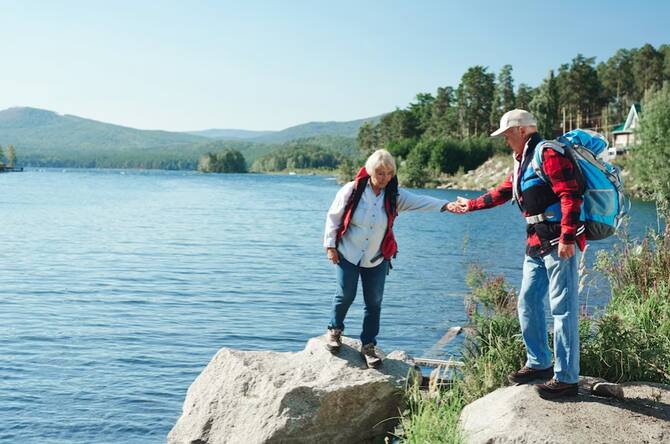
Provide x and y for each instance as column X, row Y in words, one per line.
column 531, row 143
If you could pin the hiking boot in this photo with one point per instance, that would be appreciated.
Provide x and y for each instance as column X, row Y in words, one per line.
column 527, row 374
column 555, row 389
column 370, row 357
column 334, row 340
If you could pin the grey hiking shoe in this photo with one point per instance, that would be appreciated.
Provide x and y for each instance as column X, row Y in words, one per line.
column 334, row 339
column 370, row 357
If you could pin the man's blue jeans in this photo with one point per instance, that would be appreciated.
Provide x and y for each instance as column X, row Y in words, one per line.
column 373, row 280
column 558, row 278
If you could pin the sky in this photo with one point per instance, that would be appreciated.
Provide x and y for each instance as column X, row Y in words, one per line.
column 268, row 65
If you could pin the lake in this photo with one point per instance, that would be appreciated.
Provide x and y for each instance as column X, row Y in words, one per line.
column 119, row 287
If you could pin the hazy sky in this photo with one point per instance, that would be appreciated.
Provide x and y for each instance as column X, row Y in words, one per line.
column 267, row 65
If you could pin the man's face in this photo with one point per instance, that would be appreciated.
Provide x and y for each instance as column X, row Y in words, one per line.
column 515, row 138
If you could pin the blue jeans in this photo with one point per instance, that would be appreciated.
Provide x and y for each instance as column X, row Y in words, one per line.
column 558, row 278
column 373, row 280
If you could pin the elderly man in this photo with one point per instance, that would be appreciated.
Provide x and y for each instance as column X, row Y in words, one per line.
column 550, row 265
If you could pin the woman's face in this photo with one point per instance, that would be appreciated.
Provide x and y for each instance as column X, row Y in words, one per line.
column 382, row 176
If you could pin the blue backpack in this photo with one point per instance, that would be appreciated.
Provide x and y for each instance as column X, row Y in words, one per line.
column 604, row 202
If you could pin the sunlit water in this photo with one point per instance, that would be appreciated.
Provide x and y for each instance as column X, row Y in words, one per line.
column 119, row 286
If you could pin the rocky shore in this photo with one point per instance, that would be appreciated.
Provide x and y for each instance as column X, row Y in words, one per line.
column 314, row 396
column 489, row 174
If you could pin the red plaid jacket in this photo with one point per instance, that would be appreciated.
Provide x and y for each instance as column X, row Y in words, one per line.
column 561, row 174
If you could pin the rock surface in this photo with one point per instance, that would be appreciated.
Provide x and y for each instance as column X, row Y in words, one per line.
column 304, row 397
column 518, row 415
column 487, row 175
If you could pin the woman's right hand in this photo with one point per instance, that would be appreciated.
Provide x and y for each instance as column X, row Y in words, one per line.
column 332, row 255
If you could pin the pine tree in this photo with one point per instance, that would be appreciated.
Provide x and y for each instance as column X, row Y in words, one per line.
column 544, row 106
column 475, row 97
column 503, row 99
column 647, row 69
column 524, row 95
column 443, row 121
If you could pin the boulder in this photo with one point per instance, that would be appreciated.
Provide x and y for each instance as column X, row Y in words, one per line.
column 301, row 397
column 518, row 415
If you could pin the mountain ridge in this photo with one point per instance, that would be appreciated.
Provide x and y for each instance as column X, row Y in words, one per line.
column 47, row 138
column 43, row 130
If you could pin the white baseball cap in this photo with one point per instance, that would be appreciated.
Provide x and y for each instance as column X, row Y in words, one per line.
column 516, row 117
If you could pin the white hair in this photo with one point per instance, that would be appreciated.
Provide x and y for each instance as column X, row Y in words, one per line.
column 380, row 158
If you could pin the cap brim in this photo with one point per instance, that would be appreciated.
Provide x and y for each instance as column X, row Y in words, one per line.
column 498, row 132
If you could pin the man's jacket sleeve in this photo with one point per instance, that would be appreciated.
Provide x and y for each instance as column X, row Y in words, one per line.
column 496, row 196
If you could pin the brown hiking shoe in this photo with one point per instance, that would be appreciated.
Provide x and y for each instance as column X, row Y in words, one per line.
column 370, row 357
column 526, row 374
column 334, row 339
column 555, row 389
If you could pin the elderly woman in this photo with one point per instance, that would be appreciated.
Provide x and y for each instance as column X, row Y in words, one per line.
column 359, row 240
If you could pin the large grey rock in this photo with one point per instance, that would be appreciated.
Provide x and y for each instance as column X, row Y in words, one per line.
column 518, row 415
column 304, row 397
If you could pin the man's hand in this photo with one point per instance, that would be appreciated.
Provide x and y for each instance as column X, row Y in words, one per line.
column 460, row 206
column 332, row 255
column 566, row 251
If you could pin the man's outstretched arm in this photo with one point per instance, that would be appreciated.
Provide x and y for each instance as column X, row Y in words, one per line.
column 496, row 196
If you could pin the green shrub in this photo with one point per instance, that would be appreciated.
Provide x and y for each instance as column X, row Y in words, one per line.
column 432, row 419
column 631, row 342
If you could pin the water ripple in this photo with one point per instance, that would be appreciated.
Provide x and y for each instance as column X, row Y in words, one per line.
column 119, row 289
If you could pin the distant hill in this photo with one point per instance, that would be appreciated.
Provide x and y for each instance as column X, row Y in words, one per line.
column 314, row 129
column 233, row 134
column 46, row 138
column 303, row 131
column 40, row 130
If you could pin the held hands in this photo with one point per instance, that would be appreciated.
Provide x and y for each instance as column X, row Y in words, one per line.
column 460, row 206
column 332, row 255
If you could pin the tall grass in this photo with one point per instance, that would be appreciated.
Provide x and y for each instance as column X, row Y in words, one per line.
column 631, row 341
column 493, row 348
column 433, row 419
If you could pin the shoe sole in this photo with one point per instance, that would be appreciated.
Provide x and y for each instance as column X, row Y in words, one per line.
column 375, row 366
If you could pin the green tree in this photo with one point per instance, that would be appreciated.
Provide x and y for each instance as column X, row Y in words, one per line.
column 580, row 91
column 651, row 159
column 368, row 138
column 524, row 95
column 413, row 172
column 545, row 106
column 225, row 161
column 616, row 77
column 402, row 147
column 346, row 171
column 396, row 125
column 475, row 96
column 422, row 111
column 11, row 156
column 647, row 69
column 665, row 50
column 444, row 118
column 2, row 155
column 503, row 98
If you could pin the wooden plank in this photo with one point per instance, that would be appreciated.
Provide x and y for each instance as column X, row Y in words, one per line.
column 430, row 362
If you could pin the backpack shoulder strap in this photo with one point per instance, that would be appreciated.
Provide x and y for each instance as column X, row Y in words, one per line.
column 539, row 153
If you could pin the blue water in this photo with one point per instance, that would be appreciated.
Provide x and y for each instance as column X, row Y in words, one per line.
column 119, row 286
